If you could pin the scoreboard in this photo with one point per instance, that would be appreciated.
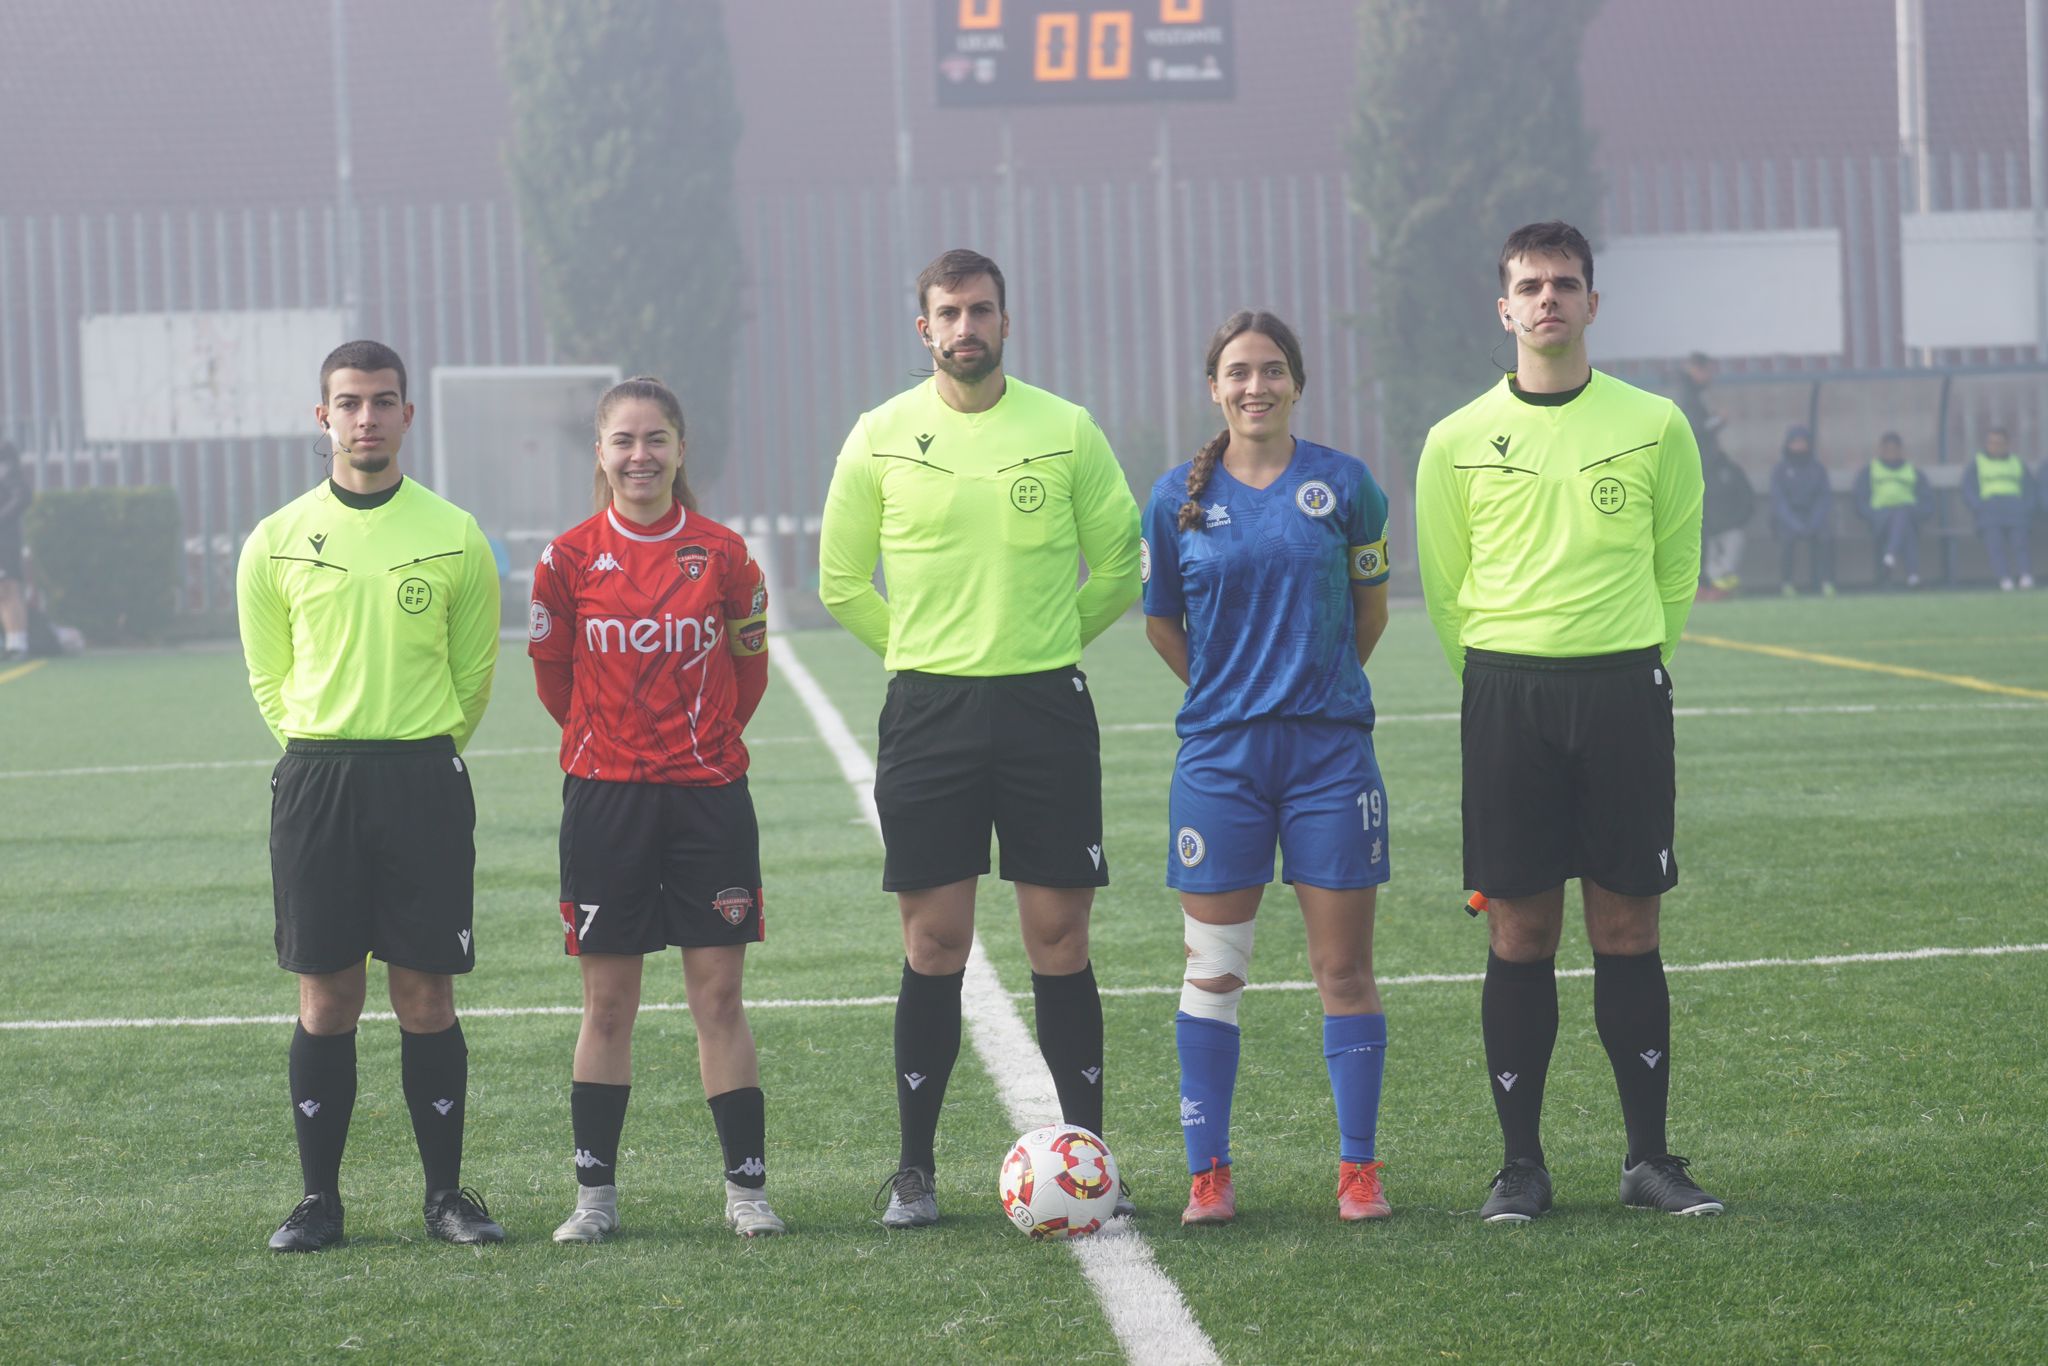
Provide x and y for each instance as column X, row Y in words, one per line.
column 1006, row 52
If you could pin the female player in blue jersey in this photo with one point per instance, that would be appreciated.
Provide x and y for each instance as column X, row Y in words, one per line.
column 1265, row 568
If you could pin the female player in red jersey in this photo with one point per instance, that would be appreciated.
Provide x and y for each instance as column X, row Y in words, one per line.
column 648, row 634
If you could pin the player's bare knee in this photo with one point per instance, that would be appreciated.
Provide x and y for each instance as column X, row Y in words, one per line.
column 424, row 1002
column 331, row 1002
column 1344, row 982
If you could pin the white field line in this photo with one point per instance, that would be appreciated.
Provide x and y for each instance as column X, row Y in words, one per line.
column 1128, row 727
column 863, row 1002
column 517, row 752
column 1144, row 1307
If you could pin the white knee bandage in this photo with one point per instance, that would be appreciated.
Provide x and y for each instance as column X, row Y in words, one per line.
column 1215, row 951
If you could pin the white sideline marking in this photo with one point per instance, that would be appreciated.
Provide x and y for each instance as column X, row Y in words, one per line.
column 1143, row 1305
column 1125, row 727
column 521, row 751
column 859, row 1002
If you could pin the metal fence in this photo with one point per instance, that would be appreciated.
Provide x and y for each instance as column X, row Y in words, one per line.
column 1114, row 287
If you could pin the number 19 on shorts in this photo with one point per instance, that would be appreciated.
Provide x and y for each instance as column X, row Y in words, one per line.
column 1372, row 807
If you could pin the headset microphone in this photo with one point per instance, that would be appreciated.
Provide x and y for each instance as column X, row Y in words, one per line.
column 337, row 441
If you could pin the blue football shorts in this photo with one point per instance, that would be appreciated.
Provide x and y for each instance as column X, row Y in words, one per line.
column 1311, row 788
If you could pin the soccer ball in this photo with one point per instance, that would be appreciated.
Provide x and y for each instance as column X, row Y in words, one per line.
column 1058, row 1182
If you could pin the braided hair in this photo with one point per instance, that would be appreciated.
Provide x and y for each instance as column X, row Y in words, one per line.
column 1236, row 325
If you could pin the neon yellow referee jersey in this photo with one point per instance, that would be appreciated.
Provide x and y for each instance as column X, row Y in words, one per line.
column 980, row 521
column 375, row 623
column 1559, row 529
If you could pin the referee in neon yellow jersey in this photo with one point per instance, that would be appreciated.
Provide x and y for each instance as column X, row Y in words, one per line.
column 369, row 618
column 981, row 496
column 1558, row 542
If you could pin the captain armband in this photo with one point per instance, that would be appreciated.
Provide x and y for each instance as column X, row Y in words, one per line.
column 1369, row 561
column 749, row 634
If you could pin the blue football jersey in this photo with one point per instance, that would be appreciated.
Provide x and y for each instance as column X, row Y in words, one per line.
column 1264, row 583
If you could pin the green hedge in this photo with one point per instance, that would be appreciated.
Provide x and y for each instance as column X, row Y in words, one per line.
column 107, row 559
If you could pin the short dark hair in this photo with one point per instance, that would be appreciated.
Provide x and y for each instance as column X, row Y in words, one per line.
column 367, row 356
column 1553, row 238
column 955, row 268
column 1891, row 439
column 1998, row 431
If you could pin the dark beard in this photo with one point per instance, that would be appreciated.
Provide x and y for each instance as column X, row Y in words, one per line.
column 369, row 464
column 971, row 372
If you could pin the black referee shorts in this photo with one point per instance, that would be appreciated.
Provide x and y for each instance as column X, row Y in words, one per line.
column 373, row 851
column 1019, row 753
column 1569, row 771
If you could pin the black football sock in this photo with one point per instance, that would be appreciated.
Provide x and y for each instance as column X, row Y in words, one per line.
column 435, row 1070
column 927, row 1045
column 323, row 1082
column 1632, row 1007
column 597, row 1114
column 742, row 1120
column 1518, row 1015
column 1069, row 1011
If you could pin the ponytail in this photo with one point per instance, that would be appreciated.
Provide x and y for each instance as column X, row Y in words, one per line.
column 1198, row 479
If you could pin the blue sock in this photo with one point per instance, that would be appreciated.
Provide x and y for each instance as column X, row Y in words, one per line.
column 1355, row 1050
column 1208, row 1079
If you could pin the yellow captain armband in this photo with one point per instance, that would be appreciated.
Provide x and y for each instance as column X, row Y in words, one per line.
column 748, row 635
column 1368, row 561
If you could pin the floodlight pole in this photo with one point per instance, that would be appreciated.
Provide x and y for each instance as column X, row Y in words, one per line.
column 2037, row 165
column 344, row 176
column 902, row 263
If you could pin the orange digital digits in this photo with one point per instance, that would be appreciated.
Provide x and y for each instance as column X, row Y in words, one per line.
column 1180, row 11
column 1109, row 45
column 977, row 14
column 1059, row 46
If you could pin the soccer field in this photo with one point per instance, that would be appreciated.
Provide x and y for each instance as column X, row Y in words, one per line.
column 1871, row 786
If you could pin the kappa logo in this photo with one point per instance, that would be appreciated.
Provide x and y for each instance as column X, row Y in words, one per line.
column 309, row 1108
column 916, row 1079
column 319, row 542
column 1188, row 843
column 1095, row 854
column 924, row 442
column 693, row 560
column 1191, row 1113
column 733, row 903
column 462, row 936
column 584, row 1160
column 547, row 554
column 753, row 1166
column 1216, row 514
column 603, row 562
column 1650, row 1057
column 1315, row 498
column 1507, row 1080
column 1094, row 1074
column 443, row 1106
column 538, row 621
column 1500, row 446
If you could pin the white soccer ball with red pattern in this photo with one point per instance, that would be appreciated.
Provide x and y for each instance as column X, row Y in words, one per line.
column 1058, row 1182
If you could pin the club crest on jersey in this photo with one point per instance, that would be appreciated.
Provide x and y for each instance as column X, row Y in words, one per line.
column 753, row 637
column 733, row 903
column 538, row 622
column 1144, row 560
column 1189, row 845
column 692, row 560
column 760, row 600
column 1315, row 498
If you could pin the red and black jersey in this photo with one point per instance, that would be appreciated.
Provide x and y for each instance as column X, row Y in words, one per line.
column 649, row 646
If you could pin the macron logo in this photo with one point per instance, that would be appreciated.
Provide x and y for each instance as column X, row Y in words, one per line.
column 1650, row 1057
column 1095, row 853
column 443, row 1106
column 462, row 937
column 916, row 1079
column 1094, row 1074
column 1663, row 860
column 309, row 1107
column 1507, row 1080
